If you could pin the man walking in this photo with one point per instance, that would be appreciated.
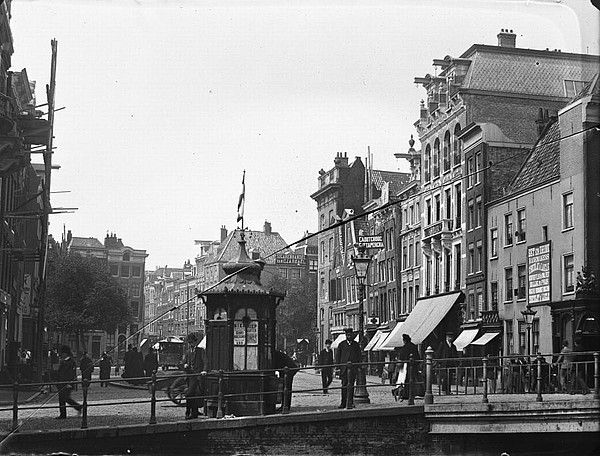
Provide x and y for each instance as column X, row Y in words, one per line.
column 194, row 362
column 325, row 361
column 67, row 371
column 445, row 351
column 86, row 366
column 348, row 351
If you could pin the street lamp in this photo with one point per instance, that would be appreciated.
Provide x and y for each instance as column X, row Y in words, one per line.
column 361, row 263
column 528, row 315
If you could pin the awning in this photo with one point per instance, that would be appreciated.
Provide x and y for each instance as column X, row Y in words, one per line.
column 465, row 338
column 374, row 340
column 202, row 343
column 394, row 339
column 143, row 342
column 381, row 341
column 483, row 340
column 427, row 314
column 338, row 339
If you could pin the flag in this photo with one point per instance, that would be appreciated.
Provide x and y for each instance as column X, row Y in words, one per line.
column 242, row 199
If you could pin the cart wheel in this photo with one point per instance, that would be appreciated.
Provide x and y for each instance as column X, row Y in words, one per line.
column 176, row 392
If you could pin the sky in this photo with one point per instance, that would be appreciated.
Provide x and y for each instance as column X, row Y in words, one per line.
column 167, row 102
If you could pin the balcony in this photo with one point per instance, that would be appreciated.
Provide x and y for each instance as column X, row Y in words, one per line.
column 490, row 318
column 439, row 229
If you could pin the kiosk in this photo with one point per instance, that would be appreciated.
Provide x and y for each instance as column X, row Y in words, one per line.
column 240, row 339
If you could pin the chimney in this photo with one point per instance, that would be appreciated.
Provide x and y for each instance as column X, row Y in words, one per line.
column 341, row 160
column 506, row 38
column 223, row 233
column 69, row 237
column 267, row 228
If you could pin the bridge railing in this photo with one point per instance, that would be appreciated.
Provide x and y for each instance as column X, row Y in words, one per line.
column 428, row 378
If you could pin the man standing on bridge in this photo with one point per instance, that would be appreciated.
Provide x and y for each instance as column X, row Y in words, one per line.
column 325, row 361
column 348, row 351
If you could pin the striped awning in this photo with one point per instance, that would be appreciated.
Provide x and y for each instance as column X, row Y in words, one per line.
column 485, row 338
column 465, row 338
column 338, row 339
column 381, row 341
column 394, row 339
column 374, row 340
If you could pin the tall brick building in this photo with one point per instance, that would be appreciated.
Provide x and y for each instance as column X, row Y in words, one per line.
column 481, row 118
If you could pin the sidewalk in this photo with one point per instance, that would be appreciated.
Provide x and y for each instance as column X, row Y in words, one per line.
column 26, row 394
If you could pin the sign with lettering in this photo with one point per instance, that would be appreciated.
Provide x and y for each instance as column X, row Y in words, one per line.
column 371, row 242
column 539, row 273
column 293, row 259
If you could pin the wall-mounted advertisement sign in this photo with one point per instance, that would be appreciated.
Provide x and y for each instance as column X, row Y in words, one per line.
column 371, row 242
column 539, row 273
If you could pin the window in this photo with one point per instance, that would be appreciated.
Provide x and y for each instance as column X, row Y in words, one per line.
column 428, row 206
column 521, row 284
column 470, row 171
column 456, row 146
column 135, row 308
column 458, row 207
column 567, row 211
column 438, row 208
column 494, row 242
column 478, row 212
column 545, row 233
column 522, row 337
column 535, row 335
column 508, row 284
column 404, row 257
column 136, row 271
column 568, row 273
column 521, row 225
column 479, row 260
column 477, row 167
column 312, row 265
column 448, row 204
column 330, row 249
column 427, row 162
column 479, row 301
column 417, row 253
column 447, row 151
column 124, row 271
column 471, row 306
column 471, row 258
column 411, row 253
column 295, row 273
column 135, row 289
column 508, row 229
column 283, row 272
column 322, row 251
column 471, row 216
column 572, row 87
column 436, row 158
column 114, row 269
column 126, row 256
column 494, row 295
column 510, row 341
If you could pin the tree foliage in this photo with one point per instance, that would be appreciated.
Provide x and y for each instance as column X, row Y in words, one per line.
column 297, row 314
column 82, row 296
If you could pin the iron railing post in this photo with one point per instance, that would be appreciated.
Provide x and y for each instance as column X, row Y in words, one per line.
column 538, row 387
column 411, row 382
column 485, row 381
column 220, row 396
column 85, row 384
column 349, row 385
column 15, row 420
column 285, row 407
column 596, row 375
column 153, row 399
column 428, row 375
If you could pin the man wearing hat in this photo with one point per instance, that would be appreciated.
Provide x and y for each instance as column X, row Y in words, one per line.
column 194, row 362
column 445, row 352
column 325, row 361
column 348, row 351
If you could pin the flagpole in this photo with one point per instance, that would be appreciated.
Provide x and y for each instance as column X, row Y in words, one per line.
column 241, row 203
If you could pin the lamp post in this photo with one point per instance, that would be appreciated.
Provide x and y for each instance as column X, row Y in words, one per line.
column 361, row 263
column 528, row 315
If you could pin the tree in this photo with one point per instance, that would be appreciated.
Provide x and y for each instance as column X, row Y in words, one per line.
column 82, row 296
column 297, row 314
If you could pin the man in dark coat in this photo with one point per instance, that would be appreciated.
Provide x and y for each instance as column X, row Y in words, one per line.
column 281, row 361
column 325, row 361
column 446, row 352
column 105, row 364
column 194, row 362
column 67, row 372
column 86, row 366
column 150, row 362
column 348, row 351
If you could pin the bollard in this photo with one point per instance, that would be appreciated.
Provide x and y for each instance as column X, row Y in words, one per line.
column 15, row 420
column 153, row 399
column 204, row 391
column 411, row 380
column 349, row 395
column 85, row 384
column 285, row 407
column 596, row 375
column 485, row 381
column 220, row 396
column 538, row 386
column 428, row 375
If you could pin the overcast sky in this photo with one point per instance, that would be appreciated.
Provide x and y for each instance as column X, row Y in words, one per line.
column 168, row 101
